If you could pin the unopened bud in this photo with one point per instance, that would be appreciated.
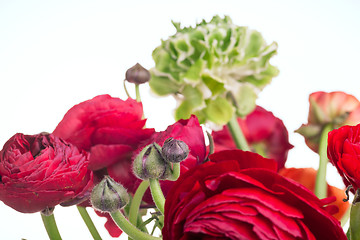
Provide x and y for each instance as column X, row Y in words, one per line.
column 137, row 74
column 150, row 164
column 109, row 196
column 174, row 150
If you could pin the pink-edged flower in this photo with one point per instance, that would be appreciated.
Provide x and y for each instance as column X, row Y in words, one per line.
column 262, row 130
column 41, row 171
column 239, row 195
column 335, row 108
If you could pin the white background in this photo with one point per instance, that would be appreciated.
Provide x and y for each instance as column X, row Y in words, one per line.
column 55, row 54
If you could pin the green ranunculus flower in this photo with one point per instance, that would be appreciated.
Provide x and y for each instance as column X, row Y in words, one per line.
column 214, row 69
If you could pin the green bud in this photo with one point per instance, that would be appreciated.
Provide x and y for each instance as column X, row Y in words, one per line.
column 150, row 163
column 109, row 196
column 137, row 74
column 174, row 150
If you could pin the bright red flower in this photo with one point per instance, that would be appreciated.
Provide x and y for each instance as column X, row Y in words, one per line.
column 109, row 128
column 335, row 108
column 307, row 178
column 41, row 171
column 344, row 152
column 262, row 130
column 239, row 195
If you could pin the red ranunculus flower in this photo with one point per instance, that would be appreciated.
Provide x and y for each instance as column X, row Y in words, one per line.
column 41, row 171
column 188, row 131
column 307, row 177
column 263, row 131
column 344, row 152
column 110, row 129
column 335, row 108
column 239, row 195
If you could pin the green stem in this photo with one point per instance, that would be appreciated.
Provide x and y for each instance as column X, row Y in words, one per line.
column 89, row 223
column 175, row 174
column 237, row 134
column 354, row 228
column 137, row 91
column 50, row 226
column 130, row 229
column 157, row 194
column 321, row 184
column 136, row 201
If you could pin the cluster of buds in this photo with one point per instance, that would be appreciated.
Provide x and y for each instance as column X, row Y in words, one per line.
column 156, row 162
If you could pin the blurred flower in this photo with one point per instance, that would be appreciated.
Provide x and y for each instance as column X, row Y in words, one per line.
column 41, row 171
column 213, row 69
column 344, row 152
column 110, row 129
column 307, row 177
column 335, row 108
column 239, row 195
column 265, row 133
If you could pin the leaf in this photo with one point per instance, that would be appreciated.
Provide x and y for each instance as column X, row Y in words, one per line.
column 219, row 111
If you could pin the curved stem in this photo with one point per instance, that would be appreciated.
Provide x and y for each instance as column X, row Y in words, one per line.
column 126, row 91
column 50, row 226
column 130, row 229
column 175, row 174
column 157, row 194
column 321, row 184
column 237, row 134
column 136, row 201
column 89, row 223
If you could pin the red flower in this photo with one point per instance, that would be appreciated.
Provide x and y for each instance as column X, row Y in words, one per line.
column 109, row 128
column 188, row 131
column 41, row 171
column 344, row 152
column 307, row 177
column 262, row 130
column 239, row 195
column 335, row 108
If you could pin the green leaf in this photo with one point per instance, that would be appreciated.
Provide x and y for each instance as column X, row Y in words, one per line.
column 245, row 100
column 215, row 86
column 182, row 45
column 219, row 111
column 163, row 85
column 195, row 70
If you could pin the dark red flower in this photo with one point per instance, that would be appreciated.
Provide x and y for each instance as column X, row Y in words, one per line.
column 307, row 178
column 263, row 131
column 109, row 128
column 239, row 195
column 335, row 108
column 344, row 153
column 41, row 171
column 188, row 131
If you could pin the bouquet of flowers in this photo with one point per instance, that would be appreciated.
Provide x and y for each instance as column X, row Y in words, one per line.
column 218, row 172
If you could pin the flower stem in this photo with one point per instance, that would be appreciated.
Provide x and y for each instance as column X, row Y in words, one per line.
column 89, row 223
column 136, row 201
column 175, row 174
column 321, row 185
column 130, row 229
column 354, row 228
column 237, row 134
column 50, row 226
column 157, row 194
column 137, row 91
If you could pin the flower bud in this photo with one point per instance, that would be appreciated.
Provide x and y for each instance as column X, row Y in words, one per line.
column 174, row 150
column 137, row 74
column 150, row 164
column 109, row 196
